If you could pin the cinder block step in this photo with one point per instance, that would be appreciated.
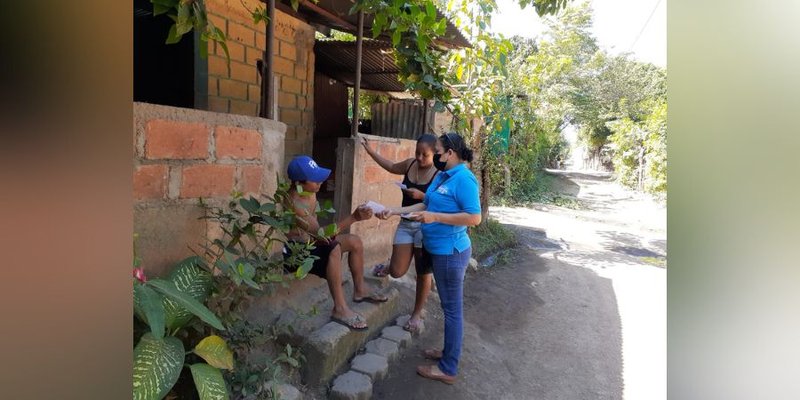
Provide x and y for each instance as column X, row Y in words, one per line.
column 329, row 348
column 351, row 386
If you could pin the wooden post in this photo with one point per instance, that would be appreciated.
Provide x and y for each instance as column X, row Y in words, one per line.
column 357, row 84
column 424, row 116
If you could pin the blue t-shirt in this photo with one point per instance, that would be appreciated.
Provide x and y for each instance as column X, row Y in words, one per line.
column 452, row 191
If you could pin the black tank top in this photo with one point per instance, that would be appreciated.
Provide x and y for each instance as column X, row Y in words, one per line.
column 408, row 200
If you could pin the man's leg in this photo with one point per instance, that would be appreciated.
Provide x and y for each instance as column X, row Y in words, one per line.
column 333, row 275
column 352, row 244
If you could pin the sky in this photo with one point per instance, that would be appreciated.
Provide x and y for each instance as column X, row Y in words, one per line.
column 617, row 23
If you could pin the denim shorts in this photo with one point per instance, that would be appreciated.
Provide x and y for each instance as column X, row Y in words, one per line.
column 408, row 232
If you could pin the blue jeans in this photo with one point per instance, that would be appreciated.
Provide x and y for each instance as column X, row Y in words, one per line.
column 448, row 271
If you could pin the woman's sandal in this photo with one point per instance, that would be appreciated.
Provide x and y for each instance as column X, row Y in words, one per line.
column 433, row 372
column 373, row 297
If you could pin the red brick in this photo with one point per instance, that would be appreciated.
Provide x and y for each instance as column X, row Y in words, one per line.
column 301, row 102
column 207, row 180
column 290, row 117
column 233, row 89
column 251, row 179
column 217, row 104
column 150, row 181
column 254, row 93
column 244, row 108
column 177, row 140
column 217, row 66
column 253, row 55
column 283, row 66
column 291, row 85
column 241, row 34
column 287, row 100
column 236, row 51
column 244, row 72
column 289, row 51
column 237, row 143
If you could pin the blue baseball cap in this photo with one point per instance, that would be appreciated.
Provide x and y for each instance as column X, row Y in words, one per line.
column 304, row 168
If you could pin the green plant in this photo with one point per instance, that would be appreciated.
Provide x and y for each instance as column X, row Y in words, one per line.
column 246, row 261
column 167, row 306
column 188, row 15
column 489, row 237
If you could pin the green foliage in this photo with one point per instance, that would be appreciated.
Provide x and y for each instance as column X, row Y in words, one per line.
column 489, row 237
column 209, row 382
column 157, row 364
column 188, row 15
column 413, row 27
column 640, row 156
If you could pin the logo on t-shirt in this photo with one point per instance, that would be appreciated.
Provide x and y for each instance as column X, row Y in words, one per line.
column 442, row 190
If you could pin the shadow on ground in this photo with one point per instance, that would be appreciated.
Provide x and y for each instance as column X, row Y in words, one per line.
column 535, row 328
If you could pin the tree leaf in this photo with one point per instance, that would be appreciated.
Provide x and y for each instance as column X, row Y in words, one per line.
column 148, row 306
column 250, row 205
column 184, row 23
column 159, row 9
column 169, row 290
column 173, row 36
column 157, row 364
column 396, row 37
column 188, row 277
column 215, row 351
column 209, row 382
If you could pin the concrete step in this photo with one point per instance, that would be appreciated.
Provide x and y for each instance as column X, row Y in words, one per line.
column 300, row 316
column 329, row 348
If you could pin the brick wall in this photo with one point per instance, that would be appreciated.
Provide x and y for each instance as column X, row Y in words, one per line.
column 238, row 92
column 371, row 182
column 181, row 155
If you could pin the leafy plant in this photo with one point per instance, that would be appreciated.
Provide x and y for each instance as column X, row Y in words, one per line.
column 166, row 306
column 188, row 15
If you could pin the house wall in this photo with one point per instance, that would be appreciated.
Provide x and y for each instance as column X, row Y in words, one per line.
column 364, row 180
column 238, row 91
column 182, row 155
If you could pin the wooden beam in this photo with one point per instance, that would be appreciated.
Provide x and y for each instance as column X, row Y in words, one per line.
column 357, row 84
column 327, row 14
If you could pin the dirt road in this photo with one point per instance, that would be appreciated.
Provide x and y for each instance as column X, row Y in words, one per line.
column 579, row 312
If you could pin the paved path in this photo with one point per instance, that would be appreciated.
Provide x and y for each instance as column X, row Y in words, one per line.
column 578, row 313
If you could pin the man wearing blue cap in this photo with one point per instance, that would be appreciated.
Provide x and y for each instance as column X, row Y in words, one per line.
column 305, row 172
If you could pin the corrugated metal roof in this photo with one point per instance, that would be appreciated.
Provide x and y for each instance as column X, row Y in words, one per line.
column 337, row 59
column 341, row 8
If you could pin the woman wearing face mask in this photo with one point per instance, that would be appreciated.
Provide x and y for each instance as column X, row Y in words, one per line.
column 451, row 205
column 418, row 173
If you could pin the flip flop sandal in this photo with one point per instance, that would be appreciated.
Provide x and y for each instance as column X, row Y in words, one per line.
column 351, row 322
column 381, row 270
column 431, row 372
column 372, row 298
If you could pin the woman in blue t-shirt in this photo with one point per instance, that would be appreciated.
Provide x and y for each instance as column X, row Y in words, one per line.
column 451, row 205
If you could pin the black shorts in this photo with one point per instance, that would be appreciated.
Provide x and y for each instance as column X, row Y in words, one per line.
column 323, row 253
column 423, row 265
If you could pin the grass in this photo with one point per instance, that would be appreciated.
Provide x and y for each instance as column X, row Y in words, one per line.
column 543, row 190
column 489, row 237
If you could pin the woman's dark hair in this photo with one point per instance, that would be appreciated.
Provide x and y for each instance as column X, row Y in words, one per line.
column 427, row 138
column 454, row 141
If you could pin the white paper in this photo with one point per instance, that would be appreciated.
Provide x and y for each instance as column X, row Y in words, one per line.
column 375, row 207
column 400, row 185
